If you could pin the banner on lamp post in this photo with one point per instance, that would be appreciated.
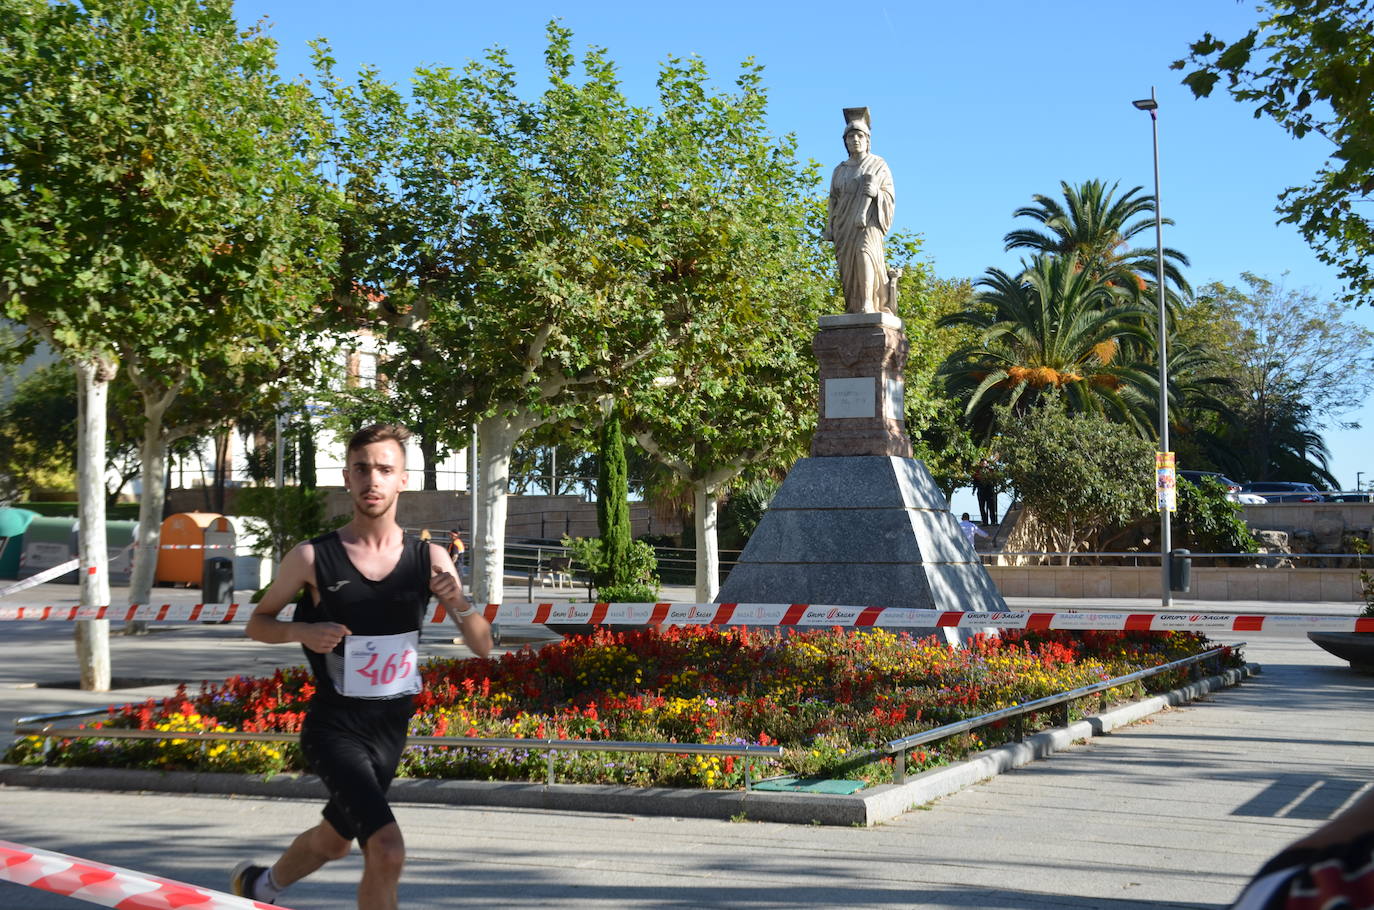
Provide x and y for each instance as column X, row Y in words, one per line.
column 1166, row 482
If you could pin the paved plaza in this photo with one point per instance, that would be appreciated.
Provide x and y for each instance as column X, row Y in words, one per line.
column 1176, row 811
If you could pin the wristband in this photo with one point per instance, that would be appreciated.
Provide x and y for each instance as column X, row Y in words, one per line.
column 464, row 614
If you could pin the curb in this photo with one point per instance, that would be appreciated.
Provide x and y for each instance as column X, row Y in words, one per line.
column 863, row 809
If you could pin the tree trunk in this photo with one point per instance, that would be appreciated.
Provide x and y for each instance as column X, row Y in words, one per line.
column 708, row 545
column 148, row 537
column 223, row 442
column 429, row 448
column 496, row 438
column 305, row 453
column 92, row 635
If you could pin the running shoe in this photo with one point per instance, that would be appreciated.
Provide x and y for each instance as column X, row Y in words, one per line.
column 244, row 877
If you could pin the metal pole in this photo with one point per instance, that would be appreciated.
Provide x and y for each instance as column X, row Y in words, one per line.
column 1165, row 544
column 1165, row 541
column 472, row 509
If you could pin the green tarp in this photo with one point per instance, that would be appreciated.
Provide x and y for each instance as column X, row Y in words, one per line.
column 811, row 785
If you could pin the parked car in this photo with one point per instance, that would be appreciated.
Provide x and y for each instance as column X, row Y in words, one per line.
column 1348, row 496
column 1283, row 491
column 1198, row 477
column 1233, row 490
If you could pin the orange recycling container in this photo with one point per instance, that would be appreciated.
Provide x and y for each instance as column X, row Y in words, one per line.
column 188, row 539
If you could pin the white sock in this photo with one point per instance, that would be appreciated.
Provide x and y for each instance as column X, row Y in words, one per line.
column 266, row 887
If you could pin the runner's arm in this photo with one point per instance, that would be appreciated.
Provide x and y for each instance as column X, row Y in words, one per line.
column 443, row 582
column 297, row 571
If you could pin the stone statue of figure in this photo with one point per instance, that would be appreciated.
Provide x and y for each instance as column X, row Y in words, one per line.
column 862, row 201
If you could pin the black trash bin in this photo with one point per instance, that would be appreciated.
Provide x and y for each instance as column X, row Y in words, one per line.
column 1181, row 570
column 217, row 581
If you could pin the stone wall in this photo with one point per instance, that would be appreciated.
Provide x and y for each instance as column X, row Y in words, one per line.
column 1207, row 583
column 533, row 517
column 1309, row 527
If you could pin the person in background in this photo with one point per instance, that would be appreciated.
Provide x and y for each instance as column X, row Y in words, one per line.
column 456, row 549
column 971, row 530
column 984, row 487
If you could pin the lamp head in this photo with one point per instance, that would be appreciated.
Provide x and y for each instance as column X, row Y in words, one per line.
column 1146, row 104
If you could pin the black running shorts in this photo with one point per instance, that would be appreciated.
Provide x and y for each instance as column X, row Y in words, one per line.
column 355, row 748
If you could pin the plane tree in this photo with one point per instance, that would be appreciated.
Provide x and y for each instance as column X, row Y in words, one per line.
column 154, row 181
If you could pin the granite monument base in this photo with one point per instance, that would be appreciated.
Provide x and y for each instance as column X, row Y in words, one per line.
column 862, row 531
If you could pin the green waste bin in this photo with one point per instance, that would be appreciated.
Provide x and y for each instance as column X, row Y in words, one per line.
column 1181, row 571
column 13, row 523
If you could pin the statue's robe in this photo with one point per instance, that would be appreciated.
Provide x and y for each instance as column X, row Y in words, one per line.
column 857, row 224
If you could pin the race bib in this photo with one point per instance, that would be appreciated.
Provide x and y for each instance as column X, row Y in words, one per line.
column 380, row 666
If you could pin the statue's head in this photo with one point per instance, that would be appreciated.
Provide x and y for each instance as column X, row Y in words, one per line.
column 856, row 137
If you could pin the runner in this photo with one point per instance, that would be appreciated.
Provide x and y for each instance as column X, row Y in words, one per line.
column 362, row 594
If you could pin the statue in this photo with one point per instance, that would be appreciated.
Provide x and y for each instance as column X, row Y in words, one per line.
column 859, row 216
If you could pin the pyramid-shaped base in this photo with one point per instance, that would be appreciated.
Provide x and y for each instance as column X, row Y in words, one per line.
column 865, row 531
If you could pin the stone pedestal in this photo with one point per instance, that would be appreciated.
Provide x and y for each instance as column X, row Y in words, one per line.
column 862, row 523
column 862, row 359
column 861, row 531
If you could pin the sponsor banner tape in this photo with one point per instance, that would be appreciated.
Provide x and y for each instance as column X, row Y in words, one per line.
column 108, row 886
column 38, row 579
column 733, row 614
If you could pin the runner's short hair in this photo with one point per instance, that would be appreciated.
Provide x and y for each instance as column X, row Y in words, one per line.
column 379, row 432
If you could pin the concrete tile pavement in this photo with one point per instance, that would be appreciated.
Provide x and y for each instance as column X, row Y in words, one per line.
column 1176, row 811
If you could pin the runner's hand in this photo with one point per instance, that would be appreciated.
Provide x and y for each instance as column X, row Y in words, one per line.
column 445, row 587
column 321, row 637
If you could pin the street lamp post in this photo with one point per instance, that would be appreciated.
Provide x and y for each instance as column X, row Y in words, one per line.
column 1358, row 486
column 1152, row 105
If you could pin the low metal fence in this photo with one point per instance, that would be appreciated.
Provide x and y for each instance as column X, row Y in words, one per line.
column 44, row 725
column 1148, row 559
column 898, row 748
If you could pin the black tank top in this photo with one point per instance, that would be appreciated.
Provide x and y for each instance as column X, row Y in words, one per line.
column 390, row 606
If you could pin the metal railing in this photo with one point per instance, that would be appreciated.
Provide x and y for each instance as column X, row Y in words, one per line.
column 898, row 748
column 531, row 560
column 1147, row 559
column 41, row 725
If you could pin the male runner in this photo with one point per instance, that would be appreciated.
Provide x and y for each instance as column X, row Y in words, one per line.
column 366, row 591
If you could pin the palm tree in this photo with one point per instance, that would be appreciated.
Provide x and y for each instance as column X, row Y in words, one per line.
column 1094, row 230
column 1276, row 441
column 1054, row 326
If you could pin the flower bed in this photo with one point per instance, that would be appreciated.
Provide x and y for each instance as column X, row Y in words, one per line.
column 827, row 696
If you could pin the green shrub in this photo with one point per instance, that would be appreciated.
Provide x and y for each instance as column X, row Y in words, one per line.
column 1209, row 522
column 282, row 517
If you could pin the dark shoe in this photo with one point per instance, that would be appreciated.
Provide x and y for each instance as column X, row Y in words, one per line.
column 244, row 877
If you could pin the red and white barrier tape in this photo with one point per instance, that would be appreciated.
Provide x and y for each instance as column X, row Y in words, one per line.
column 43, row 576
column 728, row 614
column 191, row 546
column 109, row 886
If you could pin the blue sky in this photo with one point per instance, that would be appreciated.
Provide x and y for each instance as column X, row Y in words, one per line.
column 975, row 106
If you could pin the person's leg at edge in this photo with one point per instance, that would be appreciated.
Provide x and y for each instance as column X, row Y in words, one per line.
column 309, row 851
column 384, row 854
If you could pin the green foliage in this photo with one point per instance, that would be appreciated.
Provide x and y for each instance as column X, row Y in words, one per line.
column 281, row 517
column 157, row 185
column 639, row 569
column 1093, row 229
column 744, row 510
column 1306, row 66
column 1080, row 475
column 1293, row 364
column 1208, row 522
column 38, row 446
column 1359, row 546
column 1053, row 329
